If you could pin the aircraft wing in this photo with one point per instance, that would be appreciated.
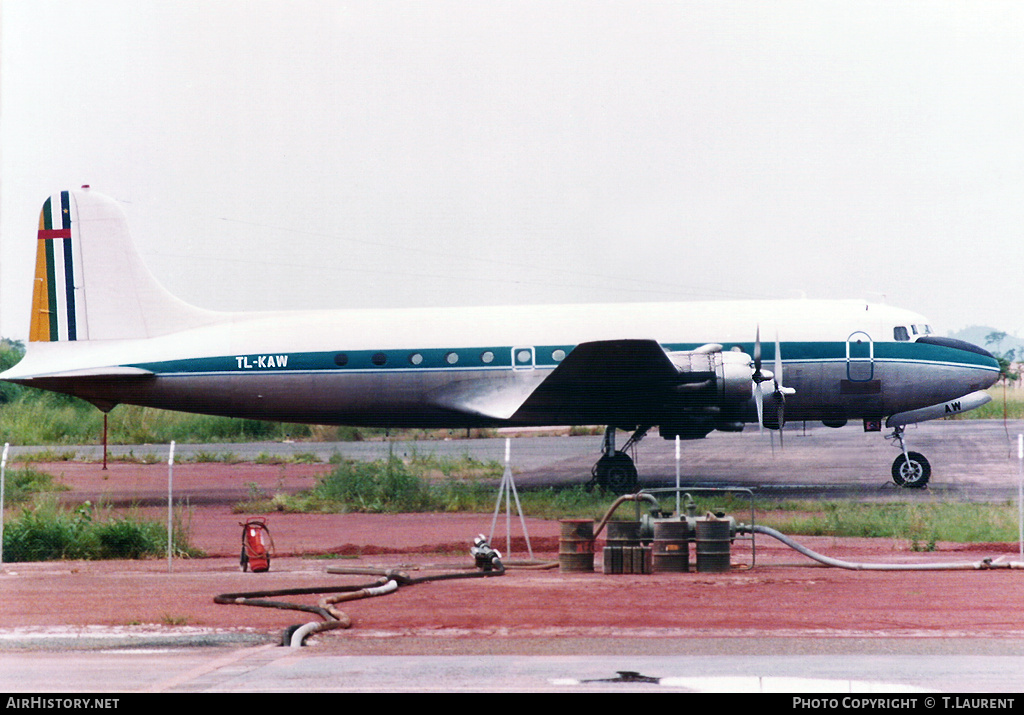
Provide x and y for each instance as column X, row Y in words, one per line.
column 612, row 364
column 595, row 376
column 604, row 381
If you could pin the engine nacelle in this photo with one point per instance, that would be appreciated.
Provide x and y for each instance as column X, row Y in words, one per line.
column 711, row 382
column 728, row 371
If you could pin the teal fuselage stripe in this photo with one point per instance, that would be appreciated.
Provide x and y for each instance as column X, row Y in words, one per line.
column 434, row 359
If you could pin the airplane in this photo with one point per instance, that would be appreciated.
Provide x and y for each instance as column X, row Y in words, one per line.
column 104, row 329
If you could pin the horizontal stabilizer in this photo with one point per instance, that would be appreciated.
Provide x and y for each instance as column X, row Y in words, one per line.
column 95, row 373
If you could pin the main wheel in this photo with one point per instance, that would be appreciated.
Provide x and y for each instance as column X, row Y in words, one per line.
column 616, row 473
column 913, row 473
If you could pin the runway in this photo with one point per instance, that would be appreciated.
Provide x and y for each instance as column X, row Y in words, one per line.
column 972, row 460
column 721, row 666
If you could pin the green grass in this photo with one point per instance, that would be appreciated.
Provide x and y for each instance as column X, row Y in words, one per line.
column 919, row 523
column 464, row 485
column 36, row 417
column 24, row 483
column 47, row 531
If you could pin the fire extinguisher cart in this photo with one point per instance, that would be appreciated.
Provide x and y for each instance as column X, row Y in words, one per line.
column 257, row 545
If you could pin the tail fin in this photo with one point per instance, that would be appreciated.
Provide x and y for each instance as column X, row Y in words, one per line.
column 91, row 283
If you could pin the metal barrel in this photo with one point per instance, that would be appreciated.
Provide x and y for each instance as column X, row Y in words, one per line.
column 670, row 551
column 576, row 545
column 713, row 545
column 623, row 533
column 641, row 558
column 612, row 559
column 623, row 552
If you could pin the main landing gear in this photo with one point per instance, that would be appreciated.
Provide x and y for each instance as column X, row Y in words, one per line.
column 910, row 469
column 615, row 470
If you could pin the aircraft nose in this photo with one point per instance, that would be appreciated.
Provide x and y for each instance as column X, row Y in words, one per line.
column 988, row 360
column 978, row 356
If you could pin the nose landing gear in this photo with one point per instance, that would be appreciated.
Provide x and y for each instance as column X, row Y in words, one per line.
column 910, row 469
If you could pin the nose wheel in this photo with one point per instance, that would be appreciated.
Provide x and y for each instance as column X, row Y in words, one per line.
column 909, row 469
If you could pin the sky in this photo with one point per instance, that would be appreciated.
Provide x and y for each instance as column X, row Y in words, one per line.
column 378, row 153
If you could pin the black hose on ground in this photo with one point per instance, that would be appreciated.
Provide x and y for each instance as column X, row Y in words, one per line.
column 487, row 562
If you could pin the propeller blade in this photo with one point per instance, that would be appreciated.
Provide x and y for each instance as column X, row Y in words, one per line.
column 779, row 395
column 759, row 374
column 782, row 419
column 778, row 364
column 757, row 352
column 780, row 399
column 759, row 401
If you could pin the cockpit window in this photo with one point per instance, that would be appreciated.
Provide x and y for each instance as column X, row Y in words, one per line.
column 900, row 334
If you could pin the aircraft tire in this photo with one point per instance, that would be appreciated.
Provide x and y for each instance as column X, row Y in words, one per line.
column 913, row 474
column 617, row 473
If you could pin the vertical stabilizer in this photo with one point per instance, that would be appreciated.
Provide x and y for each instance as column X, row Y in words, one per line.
column 90, row 282
column 56, row 314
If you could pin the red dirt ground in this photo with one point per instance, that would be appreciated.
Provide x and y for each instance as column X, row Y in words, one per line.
column 784, row 594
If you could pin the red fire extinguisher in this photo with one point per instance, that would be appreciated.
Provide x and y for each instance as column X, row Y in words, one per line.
column 257, row 545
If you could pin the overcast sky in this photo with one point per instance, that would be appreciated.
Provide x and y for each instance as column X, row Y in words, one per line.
column 374, row 153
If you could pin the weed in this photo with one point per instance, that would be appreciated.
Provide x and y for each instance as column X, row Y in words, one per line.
column 46, row 531
column 124, row 539
column 48, row 455
column 305, row 458
column 267, row 458
column 23, row 483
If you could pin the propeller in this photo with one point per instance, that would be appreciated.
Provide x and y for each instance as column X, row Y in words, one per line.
column 761, row 376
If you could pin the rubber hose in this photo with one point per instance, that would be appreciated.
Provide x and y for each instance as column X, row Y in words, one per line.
column 334, row 618
column 984, row 564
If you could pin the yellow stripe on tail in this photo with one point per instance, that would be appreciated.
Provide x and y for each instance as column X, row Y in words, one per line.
column 39, row 327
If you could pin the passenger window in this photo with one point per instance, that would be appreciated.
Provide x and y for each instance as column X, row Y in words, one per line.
column 900, row 334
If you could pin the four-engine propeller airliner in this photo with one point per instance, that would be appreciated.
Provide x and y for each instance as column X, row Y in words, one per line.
column 105, row 330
